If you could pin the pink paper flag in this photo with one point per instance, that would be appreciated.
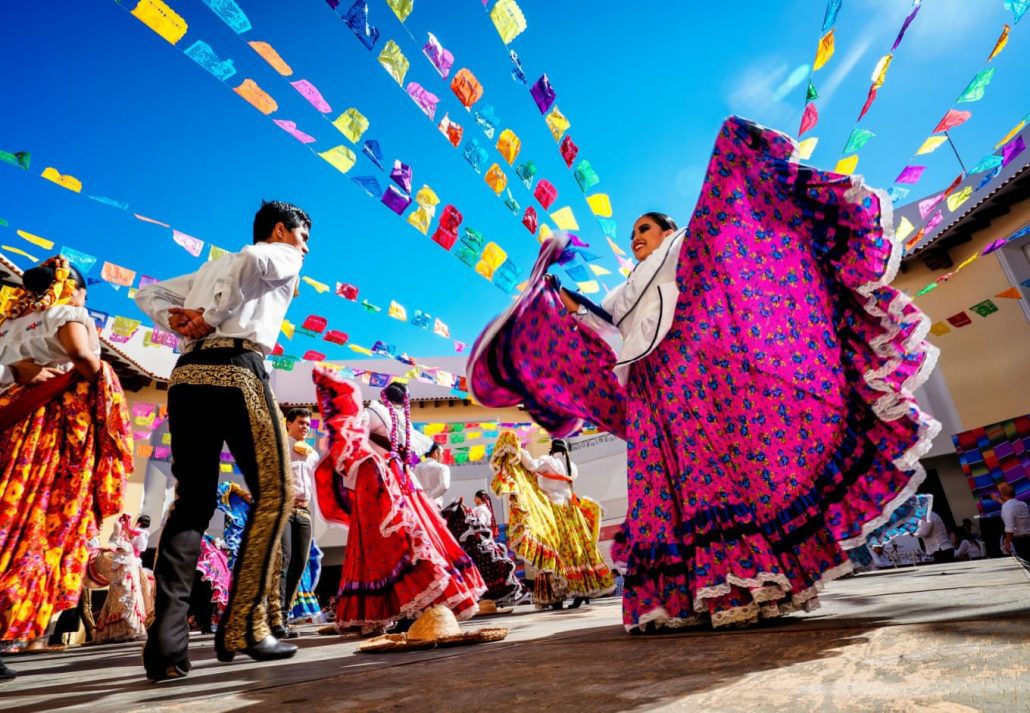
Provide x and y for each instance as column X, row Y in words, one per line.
column 194, row 246
column 290, row 127
column 309, row 92
column 934, row 221
column 809, row 118
column 145, row 219
column 460, row 346
column 910, row 174
column 953, row 118
column 928, row 204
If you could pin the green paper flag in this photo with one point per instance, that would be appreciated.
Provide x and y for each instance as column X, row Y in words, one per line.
column 811, row 94
column 929, row 288
column 987, row 307
column 20, row 159
column 858, row 139
column 975, row 91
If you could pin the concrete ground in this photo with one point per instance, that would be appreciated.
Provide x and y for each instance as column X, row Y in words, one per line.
column 943, row 638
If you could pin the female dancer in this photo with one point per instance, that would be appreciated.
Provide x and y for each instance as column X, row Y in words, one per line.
column 764, row 385
column 65, row 449
column 400, row 558
column 549, row 526
column 124, row 614
column 476, row 530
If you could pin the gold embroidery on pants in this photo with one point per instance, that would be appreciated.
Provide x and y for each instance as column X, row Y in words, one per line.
column 275, row 604
column 246, row 617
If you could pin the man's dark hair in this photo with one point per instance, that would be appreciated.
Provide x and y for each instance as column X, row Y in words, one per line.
column 143, row 521
column 272, row 212
column 294, row 413
column 395, row 393
column 434, row 451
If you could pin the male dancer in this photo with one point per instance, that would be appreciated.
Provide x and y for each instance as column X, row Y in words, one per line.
column 228, row 314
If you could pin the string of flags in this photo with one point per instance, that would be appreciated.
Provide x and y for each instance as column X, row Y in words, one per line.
column 510, row 22
column 988, row 249
column 823, row 54
column 172, row 27
column 954, row 117
column 118, row 276
column 931, row 208
column 859, row 137
column 984, row 309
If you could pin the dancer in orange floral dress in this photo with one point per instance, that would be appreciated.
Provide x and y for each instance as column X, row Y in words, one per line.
column 65, row 449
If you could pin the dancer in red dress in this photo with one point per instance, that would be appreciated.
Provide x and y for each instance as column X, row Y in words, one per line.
column 400, row 557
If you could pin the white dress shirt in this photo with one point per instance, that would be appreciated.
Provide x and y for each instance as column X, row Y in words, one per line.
column 643, row 307
column 483, row 516
column 244, row 295
column 967, row 549
column 557, row 490
column 1015, row 514
column 934, row 534
column 435, row 479
column 303, row 460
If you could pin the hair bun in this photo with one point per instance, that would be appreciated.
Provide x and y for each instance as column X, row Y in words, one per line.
column 38, row 279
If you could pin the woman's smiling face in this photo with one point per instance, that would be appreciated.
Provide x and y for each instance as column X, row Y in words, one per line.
column 647, row 236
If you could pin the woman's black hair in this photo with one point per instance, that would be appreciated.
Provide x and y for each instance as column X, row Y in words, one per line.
column 395, row 393
column 432, row 449
column 483, row 495
column 38, row 279
column 559, row 445
column 664, row 221
column 143, row 521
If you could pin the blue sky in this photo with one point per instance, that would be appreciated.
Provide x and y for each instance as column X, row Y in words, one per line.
column 91, row 91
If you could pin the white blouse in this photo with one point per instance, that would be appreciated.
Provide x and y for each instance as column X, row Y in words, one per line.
column 643, row 307
column 483, row 516
column 558, row 491
column 34, row 336
column 378, row 418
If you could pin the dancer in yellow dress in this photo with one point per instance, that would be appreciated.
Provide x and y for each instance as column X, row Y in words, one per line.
column 549, row 526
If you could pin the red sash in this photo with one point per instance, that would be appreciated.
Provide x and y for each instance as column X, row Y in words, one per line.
column 31, row 398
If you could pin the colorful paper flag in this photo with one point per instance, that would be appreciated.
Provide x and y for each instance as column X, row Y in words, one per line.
column 160, row 18
column 193, row 246
column 985, row 308
column 256, row 96
column 809, row 119
column 394, row 61
column 910, row 174
column 974, row 91
column 847, row 165
column 954, row 117
column 824, row 52
column 117, row 275
column 63, row 180
column 273, row 58
column 959, row 320
column 508, row 19
column 939, row 328
column 806, row 147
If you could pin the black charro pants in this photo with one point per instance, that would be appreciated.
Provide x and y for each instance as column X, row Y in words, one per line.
column 294, row 548
column 219, row 393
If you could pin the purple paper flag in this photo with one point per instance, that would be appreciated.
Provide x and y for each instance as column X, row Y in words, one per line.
column 441, row 58
column 934, row 221
column 543, row 94
column 910, row 174
column 928, row 204
column 1012, row 149
column 904, row 26
column 395, row 200
column 401, row 175
column 996, row 245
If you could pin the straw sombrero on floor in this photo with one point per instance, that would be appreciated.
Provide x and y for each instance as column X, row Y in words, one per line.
column 434, row 627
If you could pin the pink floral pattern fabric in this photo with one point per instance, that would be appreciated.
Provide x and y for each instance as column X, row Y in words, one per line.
column 774, row 426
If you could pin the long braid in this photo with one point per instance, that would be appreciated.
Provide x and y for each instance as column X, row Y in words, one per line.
column 407, row 424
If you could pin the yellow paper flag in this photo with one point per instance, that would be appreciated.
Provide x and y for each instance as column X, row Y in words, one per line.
column 598, row 270
column 433, row 429
column 1003, row 40
column 488, row 426
column 847, row 165
column 509, row 145
column 394, row 61
column 360, row 350
column 339, row 157
column 825, row 51
column 939, row 328
column 352, row 124
column 904, row 228
column 496, row 179
column 319, row 287
column 615, row 248
column 256, row 96
column 494, row 255
column 589, row 287
column 19, row 251
column 967, row 262
column 161, row 19
column 1015, row 130
column 931, row 144
column 806, row 147
column 600, row 205
column 955, row 200
column 880, row 71
column 225, row 467
column 36, row 240
column 427, row 198
column 477, row 453
column 564, row 219
column 397, row 311
column 508, row 19
column 287, row 328
column 557, row 123
column 545, row 232
column 269, row 54
column 65, row 181
column 420, row 219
